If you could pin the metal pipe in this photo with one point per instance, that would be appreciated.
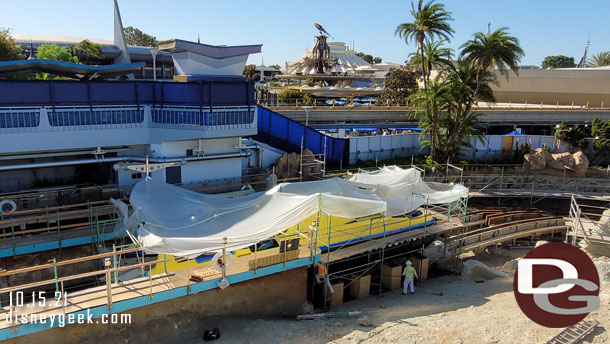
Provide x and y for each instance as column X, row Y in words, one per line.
column 259, row 148
column 122, row 159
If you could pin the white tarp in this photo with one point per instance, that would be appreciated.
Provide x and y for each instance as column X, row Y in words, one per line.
column 176, row 221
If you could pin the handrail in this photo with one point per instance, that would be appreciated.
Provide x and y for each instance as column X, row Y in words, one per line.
column 503, row 225
column 67, row 262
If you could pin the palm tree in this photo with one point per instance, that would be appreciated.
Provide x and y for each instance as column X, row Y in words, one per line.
column 435, row 56
column 495, row 49
column 429, row 20
column 464, row 88
column 430, row 105
column 599, row 59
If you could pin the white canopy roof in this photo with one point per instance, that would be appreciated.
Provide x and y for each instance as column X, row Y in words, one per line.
column 176, row 221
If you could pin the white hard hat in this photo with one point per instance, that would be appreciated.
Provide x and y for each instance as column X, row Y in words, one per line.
column 409, row 262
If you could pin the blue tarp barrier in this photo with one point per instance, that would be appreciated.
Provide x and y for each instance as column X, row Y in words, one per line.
column 283, row 133
column 74, row 93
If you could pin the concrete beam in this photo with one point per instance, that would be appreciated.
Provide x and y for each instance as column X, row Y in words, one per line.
column 498, row 117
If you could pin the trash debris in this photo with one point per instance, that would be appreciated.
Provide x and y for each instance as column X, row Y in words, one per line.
column 439, row 294
column 364, row 321
column 213, row 334
column 328, row 315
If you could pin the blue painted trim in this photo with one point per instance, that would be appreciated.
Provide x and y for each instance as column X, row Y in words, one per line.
column 51, row 245
column 378, row 235
column 141, row 301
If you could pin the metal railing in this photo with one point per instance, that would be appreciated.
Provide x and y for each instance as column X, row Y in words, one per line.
column 19, row 118
column 81, row 117
column 368, row 104
column 112, row 263
column 195, row 118
column 14, row 119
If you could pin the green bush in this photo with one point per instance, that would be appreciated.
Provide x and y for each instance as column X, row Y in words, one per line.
column 601, row 134
column 573, row 135
column 287, row 94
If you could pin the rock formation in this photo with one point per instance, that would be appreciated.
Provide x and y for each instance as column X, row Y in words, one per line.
column 289, row 165
column 543, row 161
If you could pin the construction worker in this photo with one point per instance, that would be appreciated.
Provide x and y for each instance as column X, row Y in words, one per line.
column 409, row 274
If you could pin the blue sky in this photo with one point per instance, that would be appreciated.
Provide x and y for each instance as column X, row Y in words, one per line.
column 285, row 28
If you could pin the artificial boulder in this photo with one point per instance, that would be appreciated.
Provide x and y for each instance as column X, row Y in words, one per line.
column 560, row 160
column 581, row 163
column 537, row 160
column 289, row 165
column 545, row 162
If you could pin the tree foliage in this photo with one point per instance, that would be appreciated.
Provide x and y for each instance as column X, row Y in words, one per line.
column 86, row 50
column 250, row 73
column 558, row 61
column 134, row 36
column 290, row 95
column 599, row 59
column 276, row 66
column 56, row 53
column 399, row 85
column 450, row 97
column 9, row 50
column 573, row 135
column 601, row 134
column 429, row 20
column 435, row 56
column 369, row 58
column 444, row 105
column 496, row 49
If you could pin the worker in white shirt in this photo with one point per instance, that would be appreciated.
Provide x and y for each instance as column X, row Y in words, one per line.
column 409, row 274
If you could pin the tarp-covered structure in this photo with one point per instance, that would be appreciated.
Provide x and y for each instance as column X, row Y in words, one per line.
column 176, row 221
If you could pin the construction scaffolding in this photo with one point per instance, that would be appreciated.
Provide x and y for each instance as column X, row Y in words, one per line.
column 589, row 224
column 352, row 259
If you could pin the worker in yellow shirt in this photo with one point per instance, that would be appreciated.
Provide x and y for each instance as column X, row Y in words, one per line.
column 409, row 274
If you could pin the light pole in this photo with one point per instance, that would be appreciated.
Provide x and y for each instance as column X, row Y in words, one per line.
column 307, row 109
column 153, row 52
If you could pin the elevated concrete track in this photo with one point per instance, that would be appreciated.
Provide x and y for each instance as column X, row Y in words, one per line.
column 325, row 116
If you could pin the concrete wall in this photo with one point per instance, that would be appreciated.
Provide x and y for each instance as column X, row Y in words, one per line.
column 194, row 171
column 404, row 145
column 274, row 295
column 384, row 147
column 550, row 86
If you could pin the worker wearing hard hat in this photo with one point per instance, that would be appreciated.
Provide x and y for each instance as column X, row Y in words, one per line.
column 409, row 274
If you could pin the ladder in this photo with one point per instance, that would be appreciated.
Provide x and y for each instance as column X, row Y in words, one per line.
column 574, row 333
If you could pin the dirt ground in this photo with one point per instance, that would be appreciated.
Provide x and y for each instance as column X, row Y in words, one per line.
column 466, row 312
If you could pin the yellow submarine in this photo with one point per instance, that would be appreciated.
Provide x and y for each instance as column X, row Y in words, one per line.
column 340, row 231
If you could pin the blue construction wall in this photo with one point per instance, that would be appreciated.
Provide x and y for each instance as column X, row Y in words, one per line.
column 283, row 133
column 74, row 93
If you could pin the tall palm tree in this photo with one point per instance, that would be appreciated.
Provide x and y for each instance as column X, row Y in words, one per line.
column 429, row 20
column 599, row 59
column 430, row 105
column 464, row 88
column 435, row 56
column 496, row 49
